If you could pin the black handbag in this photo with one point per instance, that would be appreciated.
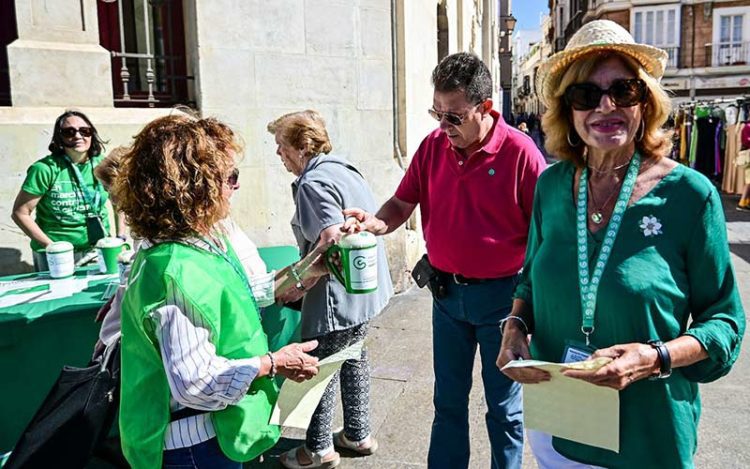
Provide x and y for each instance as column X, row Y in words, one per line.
column 94, row 229
column 74, row 418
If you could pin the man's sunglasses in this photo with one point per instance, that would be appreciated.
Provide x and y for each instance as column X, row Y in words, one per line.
column 451, row 118
column 234, row 177
column 70, row 132
column 624, row 93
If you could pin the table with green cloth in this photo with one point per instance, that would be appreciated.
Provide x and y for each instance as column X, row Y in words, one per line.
column 44, row 324
column 43, row 328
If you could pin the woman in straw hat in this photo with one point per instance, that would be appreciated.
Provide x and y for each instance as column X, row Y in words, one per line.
column 627, row 257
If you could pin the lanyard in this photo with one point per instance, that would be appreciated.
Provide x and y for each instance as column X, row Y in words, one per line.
column 94, row 201
column 588, row 286
column 235, row 265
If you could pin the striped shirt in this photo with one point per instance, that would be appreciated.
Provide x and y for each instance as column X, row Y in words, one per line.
column 198, row 378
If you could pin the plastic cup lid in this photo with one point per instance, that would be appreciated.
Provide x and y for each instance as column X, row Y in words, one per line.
column 59, row 246
column 109, row 242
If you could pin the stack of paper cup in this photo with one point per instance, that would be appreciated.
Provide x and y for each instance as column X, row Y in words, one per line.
column 60, row 259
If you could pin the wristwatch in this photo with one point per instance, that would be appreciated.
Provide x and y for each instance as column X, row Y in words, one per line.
column 665, row 360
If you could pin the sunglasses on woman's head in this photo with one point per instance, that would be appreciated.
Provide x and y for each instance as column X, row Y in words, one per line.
column 624, row 93
column 70, row 132
column 450, row 117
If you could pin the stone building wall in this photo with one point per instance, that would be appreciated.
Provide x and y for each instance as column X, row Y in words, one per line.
column 253, row 60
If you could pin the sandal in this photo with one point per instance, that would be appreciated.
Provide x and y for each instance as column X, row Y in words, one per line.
column 365, row 447
column 290, row 461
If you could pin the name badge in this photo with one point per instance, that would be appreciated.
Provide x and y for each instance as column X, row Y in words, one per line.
column 576, row 351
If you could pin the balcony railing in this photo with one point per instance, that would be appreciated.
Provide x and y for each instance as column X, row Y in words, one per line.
column 146, row 41
column 725, row 54
column 673, row 57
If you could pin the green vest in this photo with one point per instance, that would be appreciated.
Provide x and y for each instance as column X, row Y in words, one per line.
column 218, row 293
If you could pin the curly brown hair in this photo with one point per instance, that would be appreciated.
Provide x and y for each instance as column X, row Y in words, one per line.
column 304, row 130
column 171, row 182
column 557, row 121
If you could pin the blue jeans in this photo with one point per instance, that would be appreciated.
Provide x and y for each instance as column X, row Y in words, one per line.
column 468, row 316
column 206, row 455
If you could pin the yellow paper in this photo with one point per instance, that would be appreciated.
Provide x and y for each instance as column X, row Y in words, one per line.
column 571, row 408
column 298, row 401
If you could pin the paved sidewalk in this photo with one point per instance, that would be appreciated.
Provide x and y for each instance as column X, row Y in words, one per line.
column 401, row 352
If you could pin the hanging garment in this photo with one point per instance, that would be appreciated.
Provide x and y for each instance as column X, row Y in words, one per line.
column 733, row 181
column 705, row 148
column 684, row 140
column 699, row 113
column 719, row 147
column 745, row 136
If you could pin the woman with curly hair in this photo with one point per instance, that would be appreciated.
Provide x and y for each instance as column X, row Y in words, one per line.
column 627, row 257
column 62, row 189
column 196, row 370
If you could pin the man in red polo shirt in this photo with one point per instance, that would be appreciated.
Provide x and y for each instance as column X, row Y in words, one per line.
column 474, row 180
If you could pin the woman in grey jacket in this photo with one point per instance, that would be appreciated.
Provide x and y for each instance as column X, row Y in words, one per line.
column 326, row 185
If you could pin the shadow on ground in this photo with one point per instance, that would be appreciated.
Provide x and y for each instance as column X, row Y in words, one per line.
column 10, row 262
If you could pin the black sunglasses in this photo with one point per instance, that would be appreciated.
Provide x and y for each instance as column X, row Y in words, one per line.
column 451, row 118
column 70, row 132
column 624, row 93
column 234, row 177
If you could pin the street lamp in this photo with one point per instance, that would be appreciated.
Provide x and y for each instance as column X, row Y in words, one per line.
column 510, row 24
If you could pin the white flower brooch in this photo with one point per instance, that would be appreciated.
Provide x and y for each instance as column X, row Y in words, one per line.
column 651, row 226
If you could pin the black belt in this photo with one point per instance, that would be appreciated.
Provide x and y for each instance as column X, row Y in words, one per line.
column 459, row 279
column 185, row 413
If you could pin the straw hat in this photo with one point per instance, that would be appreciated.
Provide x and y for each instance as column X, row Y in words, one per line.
column 599, row 35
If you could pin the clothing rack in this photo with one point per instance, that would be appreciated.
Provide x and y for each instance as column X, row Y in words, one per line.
column 708, row 102
column 706, row 137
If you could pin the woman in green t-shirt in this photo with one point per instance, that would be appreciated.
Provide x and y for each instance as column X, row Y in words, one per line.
column 52, row 189
column 627, row 259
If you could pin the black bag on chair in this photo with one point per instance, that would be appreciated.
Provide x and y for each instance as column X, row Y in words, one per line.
column 74, row 418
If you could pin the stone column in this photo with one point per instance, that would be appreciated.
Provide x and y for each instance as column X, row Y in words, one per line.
column 57, row 59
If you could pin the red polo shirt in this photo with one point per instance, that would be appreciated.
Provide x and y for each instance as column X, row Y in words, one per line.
column 476, row 211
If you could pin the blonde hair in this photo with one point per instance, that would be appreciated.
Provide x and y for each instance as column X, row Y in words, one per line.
column 108, row 169
column 557, row 120
column 304, row 130
column 172, row 179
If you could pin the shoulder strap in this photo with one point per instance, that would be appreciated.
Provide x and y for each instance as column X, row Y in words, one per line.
column 92, row 200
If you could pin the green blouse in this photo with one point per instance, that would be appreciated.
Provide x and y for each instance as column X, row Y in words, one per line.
column 659, row 283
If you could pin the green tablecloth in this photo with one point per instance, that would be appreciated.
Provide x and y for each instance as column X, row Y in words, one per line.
column 38, row 339
column 282, row 325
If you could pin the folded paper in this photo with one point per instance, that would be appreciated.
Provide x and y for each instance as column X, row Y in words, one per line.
column 298, row 401
column 571, row 408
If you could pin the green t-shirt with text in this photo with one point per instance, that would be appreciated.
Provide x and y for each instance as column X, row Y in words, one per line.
column 61, row 211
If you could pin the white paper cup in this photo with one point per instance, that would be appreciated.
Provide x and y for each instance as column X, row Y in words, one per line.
column 60, row 259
